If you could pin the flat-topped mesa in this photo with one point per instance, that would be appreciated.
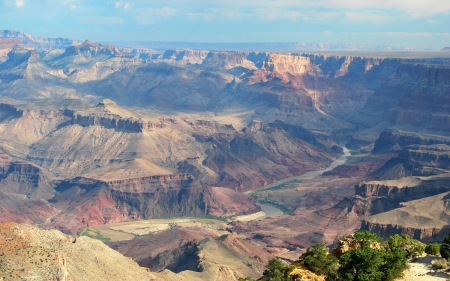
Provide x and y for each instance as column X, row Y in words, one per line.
column 155, row 183
column 114, row 121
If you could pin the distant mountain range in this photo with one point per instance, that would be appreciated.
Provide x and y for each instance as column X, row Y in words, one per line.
column 40, row 43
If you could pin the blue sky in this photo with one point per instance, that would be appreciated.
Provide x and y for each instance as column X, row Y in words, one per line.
column 418, row 23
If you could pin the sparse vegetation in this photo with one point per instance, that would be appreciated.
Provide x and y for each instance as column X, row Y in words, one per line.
column 440, row 264
column 94, row 234
column 282, row 208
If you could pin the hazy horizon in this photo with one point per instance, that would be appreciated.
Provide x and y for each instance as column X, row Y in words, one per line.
column 420, row 24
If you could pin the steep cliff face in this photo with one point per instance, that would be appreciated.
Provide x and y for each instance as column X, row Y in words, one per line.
column 370, row 72
column 423, row 234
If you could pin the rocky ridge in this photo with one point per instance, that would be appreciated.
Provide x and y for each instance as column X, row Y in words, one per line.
column 27, row 252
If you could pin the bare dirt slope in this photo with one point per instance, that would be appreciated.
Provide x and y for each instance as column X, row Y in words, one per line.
column 29, row 253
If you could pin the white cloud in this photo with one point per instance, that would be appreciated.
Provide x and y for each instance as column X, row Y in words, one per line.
column 19, row 3
column 125, row 5
column 404, row 34
column 72, row 7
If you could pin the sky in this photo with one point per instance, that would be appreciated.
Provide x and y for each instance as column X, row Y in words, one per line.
column 416, row 23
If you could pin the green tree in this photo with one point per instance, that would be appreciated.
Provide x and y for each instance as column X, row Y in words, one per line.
column 318, row 260
column 276, row 271
column 410, row 247
column 395, row 263
column 365, row 239
column 433, row 249
column 362, row 264
column 445, row 247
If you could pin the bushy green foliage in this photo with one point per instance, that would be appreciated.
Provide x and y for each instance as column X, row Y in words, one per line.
column 433, row 249
column 372, row 259
column 361, row 264
column 371, row 264
column 318, row 260
column 276, row 271
column 410, row 247
column 445, row 247
column 365, row 239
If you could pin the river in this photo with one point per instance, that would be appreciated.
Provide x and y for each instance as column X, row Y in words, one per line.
column 273, row 211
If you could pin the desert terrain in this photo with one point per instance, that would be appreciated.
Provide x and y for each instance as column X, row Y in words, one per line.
column 237, row 156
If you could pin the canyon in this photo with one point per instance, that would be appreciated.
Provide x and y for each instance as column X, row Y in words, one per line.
column 93, row 135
